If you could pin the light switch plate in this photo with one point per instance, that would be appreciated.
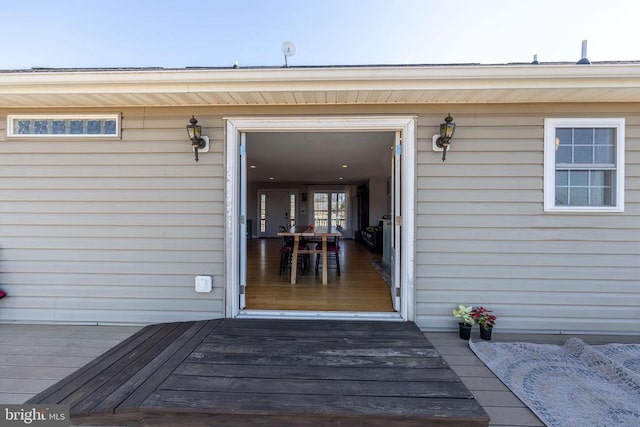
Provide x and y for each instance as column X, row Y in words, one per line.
column 203, row 284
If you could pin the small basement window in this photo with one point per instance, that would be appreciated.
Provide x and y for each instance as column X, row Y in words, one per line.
column 63, row 126
column 584, row 165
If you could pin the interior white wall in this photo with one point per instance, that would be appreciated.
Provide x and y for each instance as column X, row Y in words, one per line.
column 377, row 200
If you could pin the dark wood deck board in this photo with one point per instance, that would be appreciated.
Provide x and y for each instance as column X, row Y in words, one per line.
column 270, row 372
column 120, row 384
column 177, row 352
column 320, row 333
column 445, row 389
column 103, row 386
column 332, row 342
column 259, row 403
column 312, row 360
column 333, row 325
column 175, row 418
column 323, row 348
column 318, row 372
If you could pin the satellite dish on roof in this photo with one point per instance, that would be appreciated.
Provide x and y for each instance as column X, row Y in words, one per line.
column 288, row 49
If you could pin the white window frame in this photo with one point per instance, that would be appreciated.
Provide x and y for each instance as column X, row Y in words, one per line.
column 313, row 191
column 550, row 126
column 11, row 131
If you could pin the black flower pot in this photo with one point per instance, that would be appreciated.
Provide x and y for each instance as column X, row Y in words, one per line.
column 465, row 331
column 485, row 333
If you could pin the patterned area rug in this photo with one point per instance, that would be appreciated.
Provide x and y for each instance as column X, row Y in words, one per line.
column 570, row 385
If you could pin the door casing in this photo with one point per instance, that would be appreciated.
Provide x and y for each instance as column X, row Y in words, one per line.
column 236, row 126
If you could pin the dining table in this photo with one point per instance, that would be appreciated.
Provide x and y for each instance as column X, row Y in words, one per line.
column 299, row 231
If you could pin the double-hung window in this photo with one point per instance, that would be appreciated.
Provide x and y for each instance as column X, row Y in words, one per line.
column 584, row 165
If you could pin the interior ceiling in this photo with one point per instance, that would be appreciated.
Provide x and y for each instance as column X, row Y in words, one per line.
column 318, row 157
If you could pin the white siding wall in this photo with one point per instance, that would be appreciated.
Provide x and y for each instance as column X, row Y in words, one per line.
column 483, row 238
column 112, row 231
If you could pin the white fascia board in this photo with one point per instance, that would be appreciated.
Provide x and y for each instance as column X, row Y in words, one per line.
column 469, row 77
column 531, row 80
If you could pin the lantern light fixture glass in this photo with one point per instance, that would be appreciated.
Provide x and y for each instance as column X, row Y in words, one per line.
column 199, row 143
column 442, row 141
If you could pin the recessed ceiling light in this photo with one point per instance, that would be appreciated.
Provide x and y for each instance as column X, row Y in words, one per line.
column 271, row 178
column 252, row 166
column 345, row 166
column 341, row 178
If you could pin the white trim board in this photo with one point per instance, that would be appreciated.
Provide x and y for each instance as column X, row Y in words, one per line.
column 314, row 315
column 237, row 125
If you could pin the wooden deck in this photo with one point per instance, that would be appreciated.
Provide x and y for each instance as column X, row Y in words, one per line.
column 269, row 372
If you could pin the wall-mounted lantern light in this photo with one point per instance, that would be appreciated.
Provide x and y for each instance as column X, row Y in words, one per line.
column 442, row 141
column 198, row 142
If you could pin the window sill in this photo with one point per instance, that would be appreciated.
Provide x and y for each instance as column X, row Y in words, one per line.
column 584, row 210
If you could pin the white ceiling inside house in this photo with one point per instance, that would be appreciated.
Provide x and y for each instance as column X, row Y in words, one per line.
column 318, row 157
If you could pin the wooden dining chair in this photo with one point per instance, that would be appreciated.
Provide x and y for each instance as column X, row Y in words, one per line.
column 333, row 251
column 286, row 255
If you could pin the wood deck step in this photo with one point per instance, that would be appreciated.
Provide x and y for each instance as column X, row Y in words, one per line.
column 270, row 372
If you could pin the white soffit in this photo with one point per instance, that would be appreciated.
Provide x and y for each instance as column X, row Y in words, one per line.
column 321, row 86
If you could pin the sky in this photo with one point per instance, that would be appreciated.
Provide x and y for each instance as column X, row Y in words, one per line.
column 215, row 33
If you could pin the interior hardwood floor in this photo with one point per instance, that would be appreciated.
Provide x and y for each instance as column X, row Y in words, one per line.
column 358, row 288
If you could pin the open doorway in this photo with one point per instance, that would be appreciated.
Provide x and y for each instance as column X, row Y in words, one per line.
column 338, row 180
column 342, row 176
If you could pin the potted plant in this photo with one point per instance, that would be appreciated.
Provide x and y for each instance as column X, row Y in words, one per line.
column 466, row 320
column 485, row 319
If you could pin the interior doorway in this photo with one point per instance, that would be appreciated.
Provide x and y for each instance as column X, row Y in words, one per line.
column 308, row 171
column 276, row 210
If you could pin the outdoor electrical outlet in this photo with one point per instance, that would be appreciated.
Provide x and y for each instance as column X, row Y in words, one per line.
column 203, row 284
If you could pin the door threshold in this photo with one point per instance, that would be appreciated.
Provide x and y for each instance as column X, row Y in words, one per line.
column 320, row 315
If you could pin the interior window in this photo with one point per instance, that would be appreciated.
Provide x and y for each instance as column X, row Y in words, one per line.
column 330, row 208
column 263, row 213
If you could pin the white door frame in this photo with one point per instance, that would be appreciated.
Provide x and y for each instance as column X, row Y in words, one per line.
column 396, row 221
column 237, row 125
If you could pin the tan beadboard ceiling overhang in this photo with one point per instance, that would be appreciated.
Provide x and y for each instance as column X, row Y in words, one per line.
column 351, row 85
